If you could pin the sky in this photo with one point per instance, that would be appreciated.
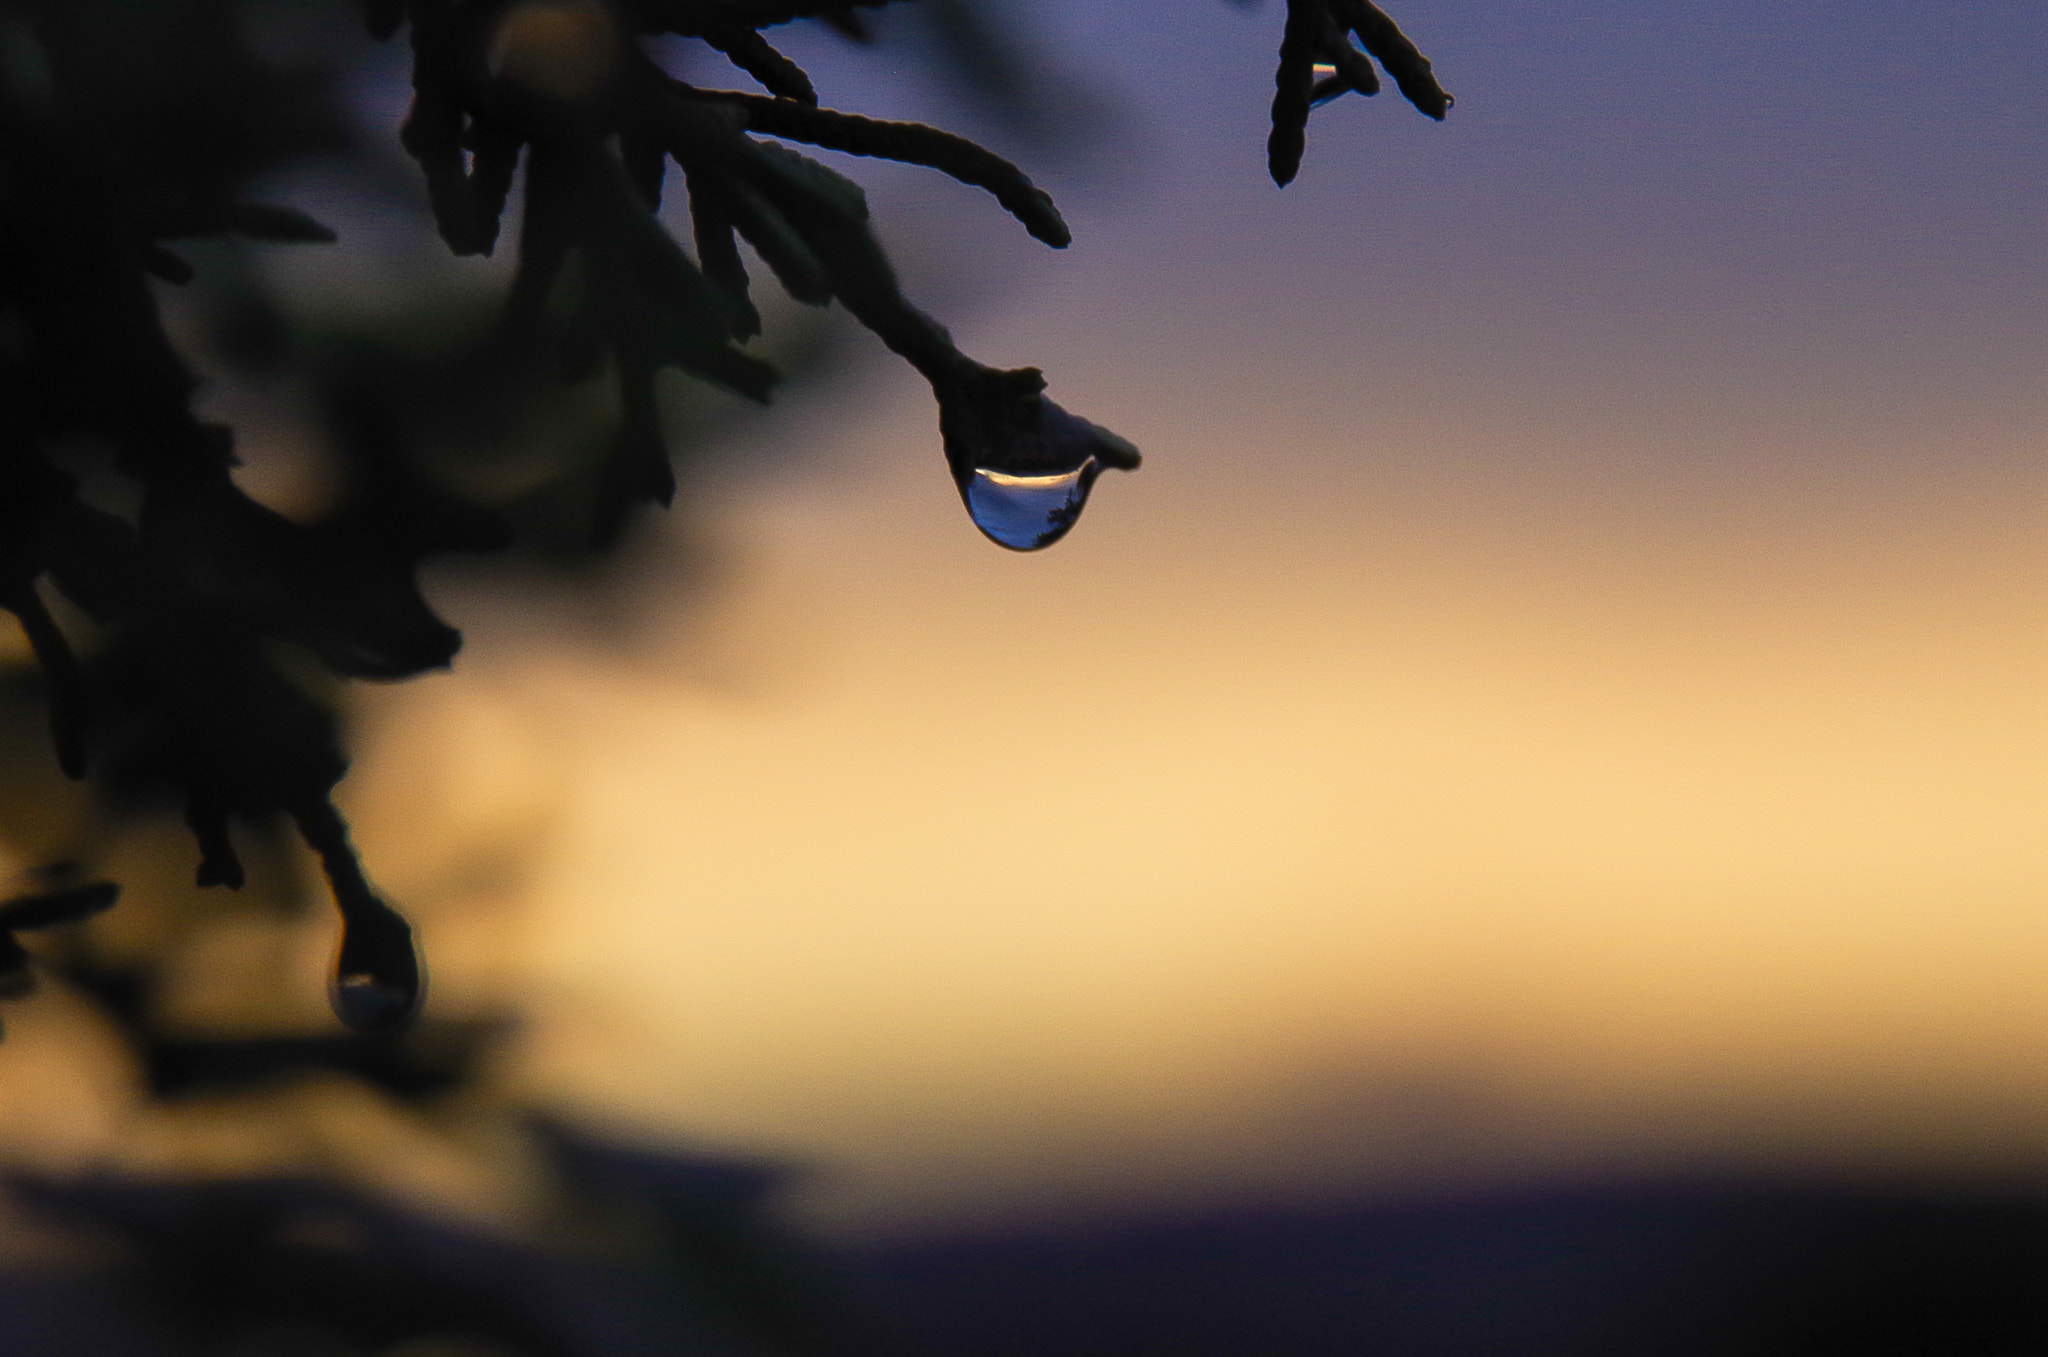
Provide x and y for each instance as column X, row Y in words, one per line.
column 1563, row 695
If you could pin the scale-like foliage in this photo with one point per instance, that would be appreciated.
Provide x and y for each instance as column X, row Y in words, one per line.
column 187, row 635
column 1319, row 33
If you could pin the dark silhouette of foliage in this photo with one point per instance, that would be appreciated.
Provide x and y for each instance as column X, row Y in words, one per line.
column 60, row 904
column 189, row 638
column 1319, row 33
column 635, row 1250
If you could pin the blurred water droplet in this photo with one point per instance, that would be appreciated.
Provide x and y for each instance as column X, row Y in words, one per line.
column 377, row 983
column 1025, row 513
column 368, row 1004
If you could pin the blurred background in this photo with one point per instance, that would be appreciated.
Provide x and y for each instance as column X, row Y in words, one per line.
column 1561, row 705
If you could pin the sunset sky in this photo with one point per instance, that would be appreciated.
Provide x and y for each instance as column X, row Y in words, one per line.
column 1567, row 691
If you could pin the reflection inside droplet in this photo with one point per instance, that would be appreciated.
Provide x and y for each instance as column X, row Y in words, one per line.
column 367, row 1004
column 1025, row 513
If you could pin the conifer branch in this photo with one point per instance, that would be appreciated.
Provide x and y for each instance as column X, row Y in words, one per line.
column 777, row 73
column 1301, row 42
column 718, row 252
column 914, row 144
column 1394, row 50
column 61, row 672
column 195, row 600
column 1318, row 31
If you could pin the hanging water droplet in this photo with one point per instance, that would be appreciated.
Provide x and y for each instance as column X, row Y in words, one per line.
column 1025, row 466
column 377, row 983
column 1025, row 513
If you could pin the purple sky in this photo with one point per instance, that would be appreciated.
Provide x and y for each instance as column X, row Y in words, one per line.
column 1710, row 224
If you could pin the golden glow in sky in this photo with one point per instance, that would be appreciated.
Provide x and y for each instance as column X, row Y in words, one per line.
column 1263, row 853
column 1567, row 689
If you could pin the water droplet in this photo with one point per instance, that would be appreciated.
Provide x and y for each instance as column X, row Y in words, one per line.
column 377, row 982
column 1025, row 513
column 1025, row 466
